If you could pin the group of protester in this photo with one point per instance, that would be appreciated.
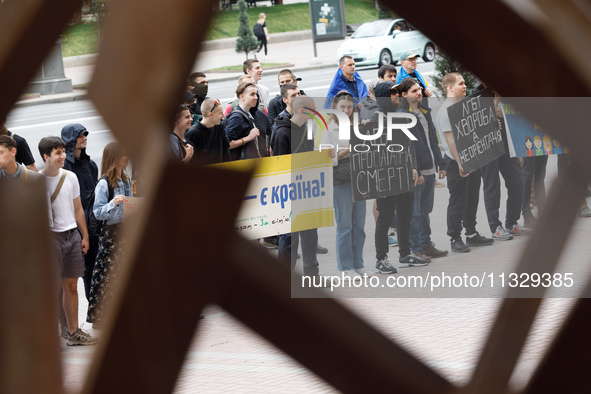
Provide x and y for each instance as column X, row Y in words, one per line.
column 85, row 211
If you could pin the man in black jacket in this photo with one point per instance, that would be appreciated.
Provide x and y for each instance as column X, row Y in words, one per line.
column 291, row 138
column 77, row 161
column 277, row 104
column 429, row 161
column 401, row 204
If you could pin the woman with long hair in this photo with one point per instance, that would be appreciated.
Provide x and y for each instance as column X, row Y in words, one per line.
column 349, row 215
column 109, row 195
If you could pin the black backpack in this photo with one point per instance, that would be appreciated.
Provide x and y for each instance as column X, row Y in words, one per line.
column 258, row 30
column 94, row 225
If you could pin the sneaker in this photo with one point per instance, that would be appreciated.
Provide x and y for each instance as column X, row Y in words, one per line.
column 392, row 241
column 384, row 267
column 270, row 242
column 432, row 252
column 518, row 230
column 363, row 271
column 585, row 212
column 392, row 231
column 501, row 234
column 458, row 246
column 321, row 249
column 412, row 261
column 80, row 338
column 479, row 240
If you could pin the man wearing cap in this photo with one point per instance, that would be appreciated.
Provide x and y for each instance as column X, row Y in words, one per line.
column 408, row 61
column 348, row 79
column 86, row 170
column 277, row 105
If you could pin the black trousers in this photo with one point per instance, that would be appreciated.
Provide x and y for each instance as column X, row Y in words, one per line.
column 463, row 200
column 510, row 169
column 263, row 43
column 402, row 205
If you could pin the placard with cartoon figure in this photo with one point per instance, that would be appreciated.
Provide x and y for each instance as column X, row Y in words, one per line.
column 525, row 138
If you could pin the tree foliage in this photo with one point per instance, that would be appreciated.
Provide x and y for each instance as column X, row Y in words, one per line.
column 445, row 65
column 384, row 12
column 246, row 41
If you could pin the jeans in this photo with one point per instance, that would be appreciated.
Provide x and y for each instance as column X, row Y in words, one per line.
column 534, row 168
column 420, row 224
column 288, row 254
column 463, row 200
column 387, row 206
column 350, row 218
column 512, row 174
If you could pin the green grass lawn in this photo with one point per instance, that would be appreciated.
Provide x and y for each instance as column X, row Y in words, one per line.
column 80, row 40
column 290, row 17
column 83, row 39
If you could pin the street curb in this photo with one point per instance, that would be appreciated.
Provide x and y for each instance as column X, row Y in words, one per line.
column 223, row 43
column 82, row 60
column 53, row 99
column 227, row 43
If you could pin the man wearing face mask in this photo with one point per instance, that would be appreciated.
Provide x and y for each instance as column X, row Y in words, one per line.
column 198, row 85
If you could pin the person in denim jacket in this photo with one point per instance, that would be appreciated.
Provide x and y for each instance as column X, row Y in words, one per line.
column 111, row 213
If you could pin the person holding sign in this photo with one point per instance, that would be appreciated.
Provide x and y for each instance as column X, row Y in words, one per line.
column 288, row 129
column 109, row 195
column 429, row 161
column 464, row 189
column 349, row 214
column 400, row 204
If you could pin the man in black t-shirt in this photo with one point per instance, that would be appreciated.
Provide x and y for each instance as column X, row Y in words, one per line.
column 23, row 152
column 208, row 136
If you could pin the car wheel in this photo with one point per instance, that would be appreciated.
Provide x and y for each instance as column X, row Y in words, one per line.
column 385, row 58
column 429, row 53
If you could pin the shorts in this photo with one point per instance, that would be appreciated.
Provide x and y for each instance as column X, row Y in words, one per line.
column 68, row 256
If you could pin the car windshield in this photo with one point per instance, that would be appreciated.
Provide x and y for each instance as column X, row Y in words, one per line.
column 372, row 29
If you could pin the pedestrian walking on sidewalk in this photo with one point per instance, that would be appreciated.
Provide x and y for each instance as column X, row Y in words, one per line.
column 261, row 33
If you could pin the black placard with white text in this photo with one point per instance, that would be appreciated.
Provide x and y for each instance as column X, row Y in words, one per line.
column 476, row 132
column 382, row 167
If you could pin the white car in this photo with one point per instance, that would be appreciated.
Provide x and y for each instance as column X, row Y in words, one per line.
column 383, row 41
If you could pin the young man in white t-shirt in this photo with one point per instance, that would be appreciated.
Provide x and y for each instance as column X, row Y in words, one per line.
column 66, row 220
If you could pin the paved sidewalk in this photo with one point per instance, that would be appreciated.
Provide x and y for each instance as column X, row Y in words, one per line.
column 446, row 333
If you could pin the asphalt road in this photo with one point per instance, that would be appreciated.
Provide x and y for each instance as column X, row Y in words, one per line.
column 36, row 122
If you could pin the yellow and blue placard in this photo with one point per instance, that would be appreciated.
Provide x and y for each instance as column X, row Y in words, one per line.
column 287, row 193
